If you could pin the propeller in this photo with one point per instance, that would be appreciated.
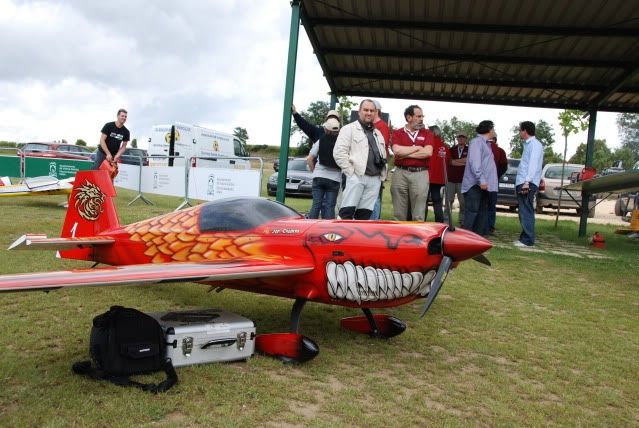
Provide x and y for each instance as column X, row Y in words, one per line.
column 482, row 259
column 436, row 285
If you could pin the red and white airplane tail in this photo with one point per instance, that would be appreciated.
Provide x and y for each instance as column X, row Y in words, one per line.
column 91, row 211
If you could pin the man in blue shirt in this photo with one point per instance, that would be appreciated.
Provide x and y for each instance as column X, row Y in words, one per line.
column 480, row 177
column 527, row 183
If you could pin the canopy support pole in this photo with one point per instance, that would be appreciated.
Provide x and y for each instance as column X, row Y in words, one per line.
column 288, row 100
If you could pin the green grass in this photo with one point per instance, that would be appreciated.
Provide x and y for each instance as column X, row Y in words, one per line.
column 536, row 339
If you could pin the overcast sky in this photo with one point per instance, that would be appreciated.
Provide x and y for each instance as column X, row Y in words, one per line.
column 67, row 66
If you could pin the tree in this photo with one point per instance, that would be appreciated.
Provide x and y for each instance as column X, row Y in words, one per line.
column 80, row 142
column 241, row 134
column 134, row 143
column 545, row 135
column 571, row 122
column 451, row 128
column 628, row 125
column 626, row 155
column 602, row 156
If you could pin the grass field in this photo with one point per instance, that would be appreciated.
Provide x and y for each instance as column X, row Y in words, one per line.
column 538, row 339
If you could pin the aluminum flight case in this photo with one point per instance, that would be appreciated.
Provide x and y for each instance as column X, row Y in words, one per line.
column 206, row 335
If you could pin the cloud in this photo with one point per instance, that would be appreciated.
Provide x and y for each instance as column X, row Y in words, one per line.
column 69, row 65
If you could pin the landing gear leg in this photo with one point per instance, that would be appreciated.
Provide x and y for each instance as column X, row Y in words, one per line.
column 371, row 321
column 296, row 312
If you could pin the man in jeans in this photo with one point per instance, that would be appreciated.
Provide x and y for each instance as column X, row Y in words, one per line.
column 480, row 177
column 527, row 183
column 327, row 176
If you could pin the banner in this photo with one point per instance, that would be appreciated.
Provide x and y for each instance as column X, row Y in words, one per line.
column 9, row 166
column 204, row 183
column 161, row 180
column 210, row 184
column 54, row 167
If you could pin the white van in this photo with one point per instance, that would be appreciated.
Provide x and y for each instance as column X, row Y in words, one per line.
column 185, row 141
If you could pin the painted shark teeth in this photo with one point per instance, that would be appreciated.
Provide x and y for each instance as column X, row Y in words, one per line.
column 356, row 283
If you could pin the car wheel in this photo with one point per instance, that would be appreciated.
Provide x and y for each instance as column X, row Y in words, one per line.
column 591, row 212
column 271, row 193
column 512, row 208
column 538, row 208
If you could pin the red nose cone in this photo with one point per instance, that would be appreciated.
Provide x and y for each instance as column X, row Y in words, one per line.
column 462, row 244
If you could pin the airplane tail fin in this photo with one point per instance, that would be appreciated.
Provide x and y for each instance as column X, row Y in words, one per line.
column 91, row 210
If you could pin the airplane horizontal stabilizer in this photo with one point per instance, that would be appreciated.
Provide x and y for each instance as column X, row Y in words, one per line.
column 41, row 242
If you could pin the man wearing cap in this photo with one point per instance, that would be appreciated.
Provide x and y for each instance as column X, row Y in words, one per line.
column 456, row 166
column 327, row 176
column 383, row 128
column 313, row 132
column 480, row 177
column 360, row 153
column 412, row 146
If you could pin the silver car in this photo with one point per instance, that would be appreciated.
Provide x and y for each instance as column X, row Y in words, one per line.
column 549, row 197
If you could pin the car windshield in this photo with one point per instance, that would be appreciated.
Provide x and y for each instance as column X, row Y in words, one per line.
column 555, row 171
column 31, row 147
column 512, row 166
column 297, row 165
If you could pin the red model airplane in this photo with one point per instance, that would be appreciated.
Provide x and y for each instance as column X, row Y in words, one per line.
column 257, row 245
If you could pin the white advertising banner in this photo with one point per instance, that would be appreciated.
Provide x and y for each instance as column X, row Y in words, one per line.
column 216, row 183
column 128, row 177
column 204, row 183
column 161, row 180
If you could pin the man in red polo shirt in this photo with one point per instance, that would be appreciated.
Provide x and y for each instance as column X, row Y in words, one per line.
column 456, row 167
column 412, row 146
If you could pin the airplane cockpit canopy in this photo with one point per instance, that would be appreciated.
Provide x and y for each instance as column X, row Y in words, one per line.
column 237, row 214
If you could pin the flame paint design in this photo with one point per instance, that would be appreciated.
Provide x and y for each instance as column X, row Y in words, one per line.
column 176, row 237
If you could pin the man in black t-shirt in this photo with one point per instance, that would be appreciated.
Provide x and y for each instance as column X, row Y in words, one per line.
column 113, row 140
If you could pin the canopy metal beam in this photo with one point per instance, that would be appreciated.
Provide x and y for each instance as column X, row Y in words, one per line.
column 608, row 32
column 456, row 58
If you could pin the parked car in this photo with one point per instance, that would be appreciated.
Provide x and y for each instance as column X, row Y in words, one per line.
column 130, row 156
column 299, row 179
column 549, row 198
column 276, row 164
column 55, row 150
column 506, row 191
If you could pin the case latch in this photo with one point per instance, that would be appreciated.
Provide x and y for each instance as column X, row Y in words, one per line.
column 241, row 340
column 187, row 346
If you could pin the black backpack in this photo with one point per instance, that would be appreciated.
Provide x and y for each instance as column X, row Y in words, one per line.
column 124, row 342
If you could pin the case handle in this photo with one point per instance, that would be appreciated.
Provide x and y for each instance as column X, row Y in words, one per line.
column 220, row 342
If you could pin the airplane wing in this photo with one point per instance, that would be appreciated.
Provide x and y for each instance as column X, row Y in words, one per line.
column 614, row 183
column 155, row 274
column 40, row 186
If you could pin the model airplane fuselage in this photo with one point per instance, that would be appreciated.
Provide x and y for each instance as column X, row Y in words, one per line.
column 250, row 244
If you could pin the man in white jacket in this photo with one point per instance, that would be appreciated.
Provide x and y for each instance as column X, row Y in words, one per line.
column 361, row 154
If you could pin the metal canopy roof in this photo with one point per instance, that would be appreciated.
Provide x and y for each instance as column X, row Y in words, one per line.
column 581, row 54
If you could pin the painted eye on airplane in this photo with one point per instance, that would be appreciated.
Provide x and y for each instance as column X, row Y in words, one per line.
column 332, row 237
